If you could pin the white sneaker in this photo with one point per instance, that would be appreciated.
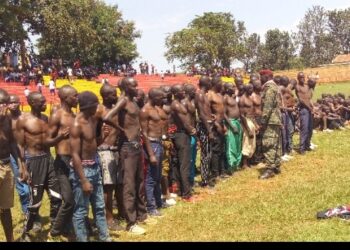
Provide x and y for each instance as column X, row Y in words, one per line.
column 137, row 230
column 285, row 158
column 172, row 195
column 170, row 202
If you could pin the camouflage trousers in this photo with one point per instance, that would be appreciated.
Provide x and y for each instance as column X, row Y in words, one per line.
column 272, row 146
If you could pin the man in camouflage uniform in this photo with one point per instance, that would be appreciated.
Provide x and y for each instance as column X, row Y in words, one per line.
column 271, row 125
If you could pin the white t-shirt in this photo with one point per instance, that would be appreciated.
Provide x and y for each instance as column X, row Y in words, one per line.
column 70, row 72
column 26, row 92
column 51, row 84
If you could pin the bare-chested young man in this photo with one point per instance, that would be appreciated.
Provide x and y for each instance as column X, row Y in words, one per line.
column 152, row 119
column 8, row 146
column 204, row 127
column 286, row 111
column 62, row 119
column 234, row 133
column 167, row 146
column 182, row 140
column 86, row 178
column 35, row 146
column 190, row 91
column 131, row 158
column 107, row 150
column 246, row 107
column 21, row 187
column 218, row 142
column 304, row 94
column 257, row 103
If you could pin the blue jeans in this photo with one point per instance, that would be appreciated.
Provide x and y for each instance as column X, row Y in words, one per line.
column 81, row 209
column 306, row 129
column 22, row 188
column 153, row 178
column 193, row 159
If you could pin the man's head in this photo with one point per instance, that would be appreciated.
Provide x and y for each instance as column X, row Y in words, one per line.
column 88, row 102
column 239, row 81
column 129, row 86
column 156, row 96
column 266, row 75
column 301, row 78
column 216, row 84
column 257, row 86
column 37, row 101
column 229, row 89
column 254, row 77
column 140, row 98
column 248, row 89
column 178, row 91
column 284, row 81
column 109, row 94
column 168, row 96
column 277, row 80
column 190, row 90
column 205, row 82
column 14, row 103
column 311, row 83
column 68, row 95
column 4, row 101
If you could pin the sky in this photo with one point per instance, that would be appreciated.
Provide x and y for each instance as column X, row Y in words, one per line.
column 156, row 19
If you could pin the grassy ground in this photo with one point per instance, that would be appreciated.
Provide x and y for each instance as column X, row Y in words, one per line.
column 246, row 209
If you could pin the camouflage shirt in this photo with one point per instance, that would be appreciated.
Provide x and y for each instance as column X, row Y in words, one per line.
column 271, row 102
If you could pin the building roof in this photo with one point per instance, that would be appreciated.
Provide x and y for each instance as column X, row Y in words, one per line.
column 342, row 59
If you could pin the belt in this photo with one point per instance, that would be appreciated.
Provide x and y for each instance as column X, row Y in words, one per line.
column 5, row 161
column 134, row 144
column 88, row 163
column 151, row 139
column 107, row 148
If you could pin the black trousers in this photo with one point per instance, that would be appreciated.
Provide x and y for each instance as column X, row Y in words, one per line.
column 43, row 176
column 217, row 156
column 65, row 213
column 131, row 162
column 183, row 147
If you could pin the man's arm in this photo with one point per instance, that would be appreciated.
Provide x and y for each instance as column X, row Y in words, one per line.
column 52, row 135
column 183, row 117
column 15, row 152
column 75, row 143
column 144, row 130
column 110, row 116
column 200, row 102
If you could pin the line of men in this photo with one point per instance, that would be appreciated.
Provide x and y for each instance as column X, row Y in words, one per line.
column 139, row 149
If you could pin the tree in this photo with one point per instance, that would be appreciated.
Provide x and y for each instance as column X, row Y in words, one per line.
column 316, row 43
column 278, row 51
column 251, row 52
column 211, row 40
column 339, row 25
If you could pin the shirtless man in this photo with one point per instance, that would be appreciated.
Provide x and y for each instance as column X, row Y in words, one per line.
column 86, row 179
column 34, row 144
column 218, row 142
column 131, row 154
column 190, row 91
column 246, row 107
column 8, row 146
column 204, row 127
column 167, row 146
column 304, row 94
column 235, row 132
column 62, row 119
column 140, row 99
column 257, row 103
column 152, row 125
column 182, row 140
column 107, row 149
column 21, row 187
column 286, row 111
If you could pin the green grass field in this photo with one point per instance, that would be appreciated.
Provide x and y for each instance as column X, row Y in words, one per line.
column 245, row 208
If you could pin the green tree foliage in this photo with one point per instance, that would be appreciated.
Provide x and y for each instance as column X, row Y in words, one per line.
column 86, row 29
column 251, row 52
column 210, row 40
column 317, row 46
column 339, row 25
column 278, row 51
